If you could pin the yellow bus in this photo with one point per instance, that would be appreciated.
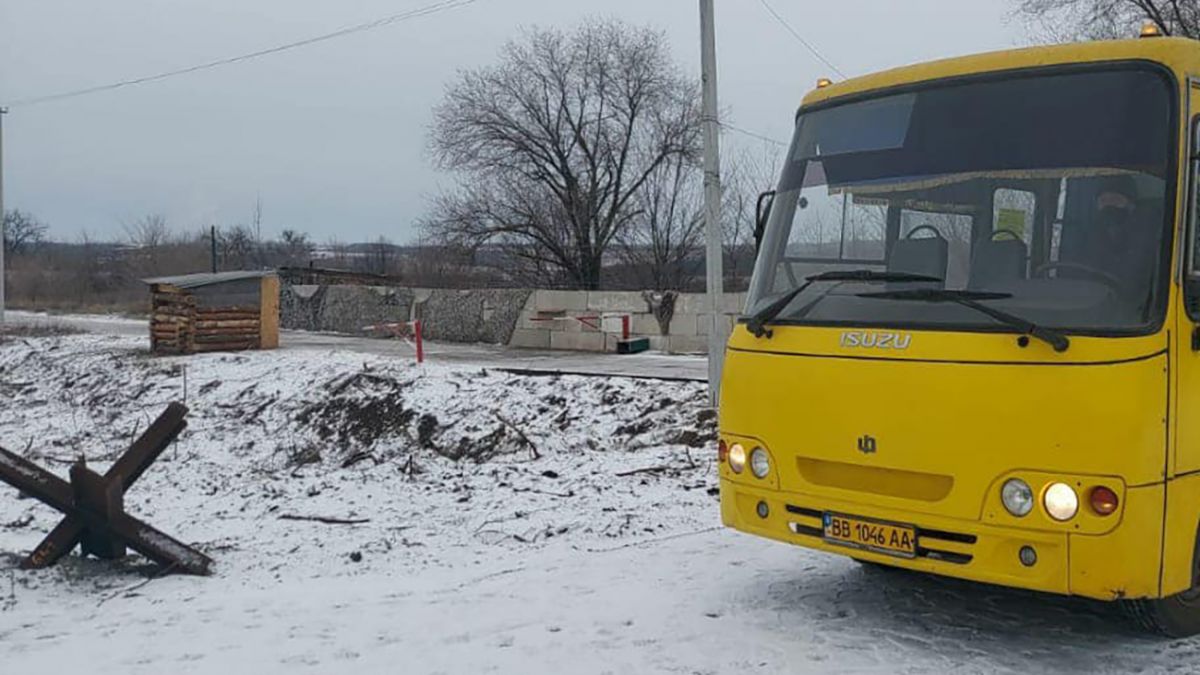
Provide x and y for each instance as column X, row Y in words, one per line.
column 971, row 343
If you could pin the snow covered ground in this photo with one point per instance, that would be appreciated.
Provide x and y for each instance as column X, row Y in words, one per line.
column 515, row 525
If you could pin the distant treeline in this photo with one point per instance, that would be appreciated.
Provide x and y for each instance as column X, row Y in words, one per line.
column 106, row 276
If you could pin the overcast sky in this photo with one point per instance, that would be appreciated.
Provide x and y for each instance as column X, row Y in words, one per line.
column 333, row 136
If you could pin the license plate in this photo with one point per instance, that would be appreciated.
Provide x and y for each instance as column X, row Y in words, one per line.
column 890, row 538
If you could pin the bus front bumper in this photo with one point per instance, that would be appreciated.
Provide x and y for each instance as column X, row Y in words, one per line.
column 1123, row 563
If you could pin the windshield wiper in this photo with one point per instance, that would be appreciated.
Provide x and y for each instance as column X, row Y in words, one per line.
column 758, row 322
column 971, row 300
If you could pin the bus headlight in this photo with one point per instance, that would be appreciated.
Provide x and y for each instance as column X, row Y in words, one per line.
column 760, row 463
column 1017, row 497
column 1061, row 501
column 737, row 457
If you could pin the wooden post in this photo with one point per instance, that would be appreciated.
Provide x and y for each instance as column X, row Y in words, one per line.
column 269, row 313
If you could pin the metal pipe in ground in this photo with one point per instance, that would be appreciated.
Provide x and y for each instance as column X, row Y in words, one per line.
column 417, row 330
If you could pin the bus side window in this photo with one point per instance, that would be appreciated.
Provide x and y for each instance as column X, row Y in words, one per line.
column 955, row 228
column 1191, row 285
column 1194, row 215
column 1013, row 212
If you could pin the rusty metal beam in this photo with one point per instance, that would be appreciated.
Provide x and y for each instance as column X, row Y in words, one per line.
column 130, row 466
column 93, row 505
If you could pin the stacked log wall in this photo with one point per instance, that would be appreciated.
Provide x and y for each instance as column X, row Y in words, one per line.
column 171, row 322
column 227, row 329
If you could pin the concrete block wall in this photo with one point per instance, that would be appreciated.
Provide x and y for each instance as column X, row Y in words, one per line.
column 567, row 320
column 539, row 319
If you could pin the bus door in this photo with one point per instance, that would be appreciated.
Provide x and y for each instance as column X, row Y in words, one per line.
column 1187, row 407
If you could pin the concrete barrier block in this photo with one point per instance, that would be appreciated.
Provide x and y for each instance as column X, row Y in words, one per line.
column 734, row 303
column 572, row 324
column 644, row 324
column 690, row 303
column 659, row 343
column 702, row 323
column 697, row 303
column 683, row 323
column 550, row 301
column 578, row 342
column 526, row 322
column 530, row 339
column 624, row 302
column 687, row 344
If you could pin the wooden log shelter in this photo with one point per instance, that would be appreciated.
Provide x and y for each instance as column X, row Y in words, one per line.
column 225, row 311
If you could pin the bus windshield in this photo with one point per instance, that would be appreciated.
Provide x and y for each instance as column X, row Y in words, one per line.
column 1046, row 196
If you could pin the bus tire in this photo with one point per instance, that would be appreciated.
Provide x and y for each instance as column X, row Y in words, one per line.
column 1177, row 616
column 1169, row 617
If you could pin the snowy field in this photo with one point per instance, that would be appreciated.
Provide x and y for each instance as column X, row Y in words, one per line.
column 512, row 525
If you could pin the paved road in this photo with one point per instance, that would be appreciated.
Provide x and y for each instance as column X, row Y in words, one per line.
column 650, row 364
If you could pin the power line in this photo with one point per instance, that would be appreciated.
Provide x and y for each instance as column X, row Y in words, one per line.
column 753, row 134
column 342, row 32
column 807, row 45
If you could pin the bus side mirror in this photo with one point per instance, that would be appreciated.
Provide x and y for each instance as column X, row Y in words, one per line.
column 762, row 212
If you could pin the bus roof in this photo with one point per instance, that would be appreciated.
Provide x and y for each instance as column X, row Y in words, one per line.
column 1179, row 54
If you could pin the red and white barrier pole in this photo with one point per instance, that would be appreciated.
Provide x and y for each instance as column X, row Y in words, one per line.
column 420, row 341
column 625, row 327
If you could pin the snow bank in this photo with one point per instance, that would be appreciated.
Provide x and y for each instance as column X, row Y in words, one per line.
column 449, row 465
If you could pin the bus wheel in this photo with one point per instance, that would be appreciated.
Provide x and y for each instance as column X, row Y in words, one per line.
column 1177, row 616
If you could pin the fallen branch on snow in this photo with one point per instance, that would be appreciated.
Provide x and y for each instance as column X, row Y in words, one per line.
column 521, row 434
column 327, row 521
column 649, row 469
column 545, row 492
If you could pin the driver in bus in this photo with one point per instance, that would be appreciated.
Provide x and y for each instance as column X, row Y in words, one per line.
column 1119, row 241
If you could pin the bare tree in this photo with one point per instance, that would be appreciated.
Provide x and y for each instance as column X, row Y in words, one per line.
column 381, row 256
column 555, row 141
column 256, row 225
column 669, row 227
column 148, row 236
column 296, row 247
column 150, row 232
column 433, row 265
column 236, row 247
column 1065, row 20
column 256, row 219
column 747, row 174
column 22, row 232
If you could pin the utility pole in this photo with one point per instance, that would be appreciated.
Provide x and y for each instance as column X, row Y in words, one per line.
column 213, row 250
column 3, row 112
column 712, row 201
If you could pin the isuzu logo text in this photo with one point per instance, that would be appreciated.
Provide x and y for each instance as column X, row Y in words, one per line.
column 875, row 340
